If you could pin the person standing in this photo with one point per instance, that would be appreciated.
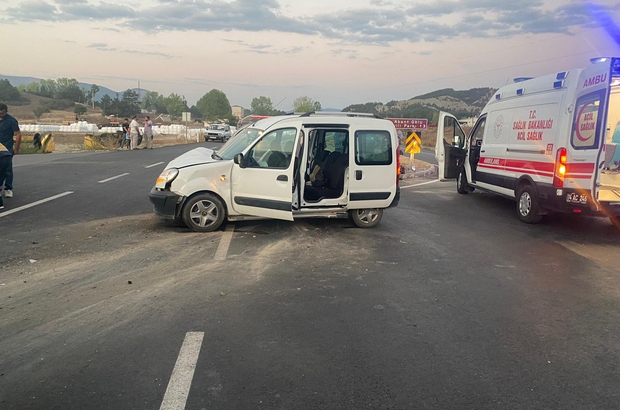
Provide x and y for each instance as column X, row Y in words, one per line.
column 9, row 127
column 126, row 137
column 134, row 131
column 148, row 133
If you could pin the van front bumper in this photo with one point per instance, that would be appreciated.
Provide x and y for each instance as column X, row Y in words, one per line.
column 165, row 203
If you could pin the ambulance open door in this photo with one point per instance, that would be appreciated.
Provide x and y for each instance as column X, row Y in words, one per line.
column 449, row 147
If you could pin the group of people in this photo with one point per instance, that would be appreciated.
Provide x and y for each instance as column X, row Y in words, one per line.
column 132, row 136
column 10, row 141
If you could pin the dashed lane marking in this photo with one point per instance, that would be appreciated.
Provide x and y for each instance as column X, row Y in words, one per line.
column 423, row 183
column 42, row 201
column 153, row 165
column 222, row 249
column 183, row 373
column 103, row 181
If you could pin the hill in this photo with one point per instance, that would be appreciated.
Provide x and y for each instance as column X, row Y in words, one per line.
column 61, row 111
column 464, row 103
column 18, row 80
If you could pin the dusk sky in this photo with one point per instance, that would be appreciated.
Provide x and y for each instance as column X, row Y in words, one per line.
column 339, row 52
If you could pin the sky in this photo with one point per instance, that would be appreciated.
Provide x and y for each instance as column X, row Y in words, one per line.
column 337, row 52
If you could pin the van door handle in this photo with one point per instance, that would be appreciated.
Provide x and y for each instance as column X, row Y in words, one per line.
column 282, row 178
column 358, row 175
column 482, row 150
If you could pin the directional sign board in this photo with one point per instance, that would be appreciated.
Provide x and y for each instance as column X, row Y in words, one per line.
column 409, row 123
column 413, row 144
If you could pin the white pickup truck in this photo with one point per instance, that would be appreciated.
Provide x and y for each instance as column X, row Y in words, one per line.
column 219, row 132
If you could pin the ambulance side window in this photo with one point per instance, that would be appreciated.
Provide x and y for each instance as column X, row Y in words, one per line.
column 453, row 133
column 476, row 139
column 587, row 122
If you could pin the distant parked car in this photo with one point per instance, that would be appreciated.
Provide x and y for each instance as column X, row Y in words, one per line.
column 219, row 132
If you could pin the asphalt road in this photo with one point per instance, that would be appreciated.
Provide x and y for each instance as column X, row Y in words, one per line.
column 449, row 303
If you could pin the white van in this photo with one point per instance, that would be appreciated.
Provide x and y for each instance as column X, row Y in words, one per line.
column 552, row 143
column 288, row 167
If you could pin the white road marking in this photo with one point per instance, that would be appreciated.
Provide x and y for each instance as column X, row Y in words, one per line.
column 222, row 249
column 42, row 201
column 183, row 373
column 103, row 181
column 153, row 165
column 423, row 183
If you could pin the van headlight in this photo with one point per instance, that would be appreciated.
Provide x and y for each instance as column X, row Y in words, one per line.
column 165, row 178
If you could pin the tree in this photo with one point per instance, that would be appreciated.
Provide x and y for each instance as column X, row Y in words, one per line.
column 39, row 110
column 79, row 109
column 195, row 112
column 8, row 92
column 175, row 105
column 107, row 104
column 94, row 89
column 68, row 89
column 214, row 105
column 306, row 104
column 261, row 105
column 129, row 103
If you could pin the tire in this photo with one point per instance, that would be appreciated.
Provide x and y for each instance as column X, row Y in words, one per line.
column 615, row 220
column 366, row 218
column 203, row 213
column 528, row 209
column 461, row 183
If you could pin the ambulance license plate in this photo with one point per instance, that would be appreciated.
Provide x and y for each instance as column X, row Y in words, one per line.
column 577, row 199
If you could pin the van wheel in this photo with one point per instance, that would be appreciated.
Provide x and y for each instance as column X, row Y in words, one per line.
column 366, row 218
column 615, row 220
column 461, row 183
column 203, row 213
column 528, row 209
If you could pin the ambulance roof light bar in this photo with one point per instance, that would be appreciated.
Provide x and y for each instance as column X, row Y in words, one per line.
column 597, row 60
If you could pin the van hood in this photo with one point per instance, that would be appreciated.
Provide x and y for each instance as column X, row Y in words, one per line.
column 196, row 156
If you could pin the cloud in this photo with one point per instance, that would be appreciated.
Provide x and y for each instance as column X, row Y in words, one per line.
column 149, row 53
column 380, row 23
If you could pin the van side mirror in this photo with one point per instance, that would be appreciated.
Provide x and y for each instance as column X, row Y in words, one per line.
column 238, row 159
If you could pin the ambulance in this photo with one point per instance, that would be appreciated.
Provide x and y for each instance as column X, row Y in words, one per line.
column 551, row 143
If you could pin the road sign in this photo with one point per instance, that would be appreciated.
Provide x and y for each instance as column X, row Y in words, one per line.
column 186, row 116
column 413, row 144
column 409, row 123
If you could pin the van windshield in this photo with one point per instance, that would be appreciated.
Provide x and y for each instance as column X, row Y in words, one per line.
column 239, row 142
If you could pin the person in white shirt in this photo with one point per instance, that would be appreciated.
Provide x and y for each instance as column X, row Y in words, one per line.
column 134, row 131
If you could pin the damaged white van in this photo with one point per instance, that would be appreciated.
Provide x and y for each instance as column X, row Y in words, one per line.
column 552, row 143
column 289, row 167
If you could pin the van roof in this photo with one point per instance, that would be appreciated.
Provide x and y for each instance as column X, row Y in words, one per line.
column 323, row 118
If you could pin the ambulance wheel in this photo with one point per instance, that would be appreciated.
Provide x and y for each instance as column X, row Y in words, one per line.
column 366, row 218
column 615, row 220
column 203, row 213
column 528, row 209
column 461, row 183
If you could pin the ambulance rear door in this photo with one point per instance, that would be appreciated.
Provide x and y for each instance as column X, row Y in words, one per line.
column 586, row 159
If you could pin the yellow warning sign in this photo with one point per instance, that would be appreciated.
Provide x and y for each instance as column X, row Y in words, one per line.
column 413, row 144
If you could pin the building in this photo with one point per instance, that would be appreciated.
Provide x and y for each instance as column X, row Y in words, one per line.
column 237, row 111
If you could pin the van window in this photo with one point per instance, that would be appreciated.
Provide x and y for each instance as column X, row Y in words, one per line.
column 453, row 133
column 373, row 148
column 587, row 121
column 274, row 150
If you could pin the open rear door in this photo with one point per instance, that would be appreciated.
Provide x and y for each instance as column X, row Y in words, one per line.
column 449, row 147
column 587, row 170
